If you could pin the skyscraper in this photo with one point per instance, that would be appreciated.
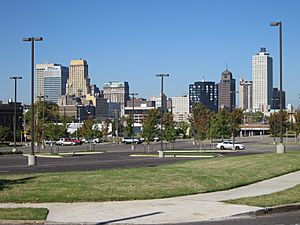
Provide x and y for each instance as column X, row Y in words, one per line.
column 205, row 92
column 51, row 81
column 117, row 92
column 180, row 108
column 78, row 83
column 246, row 95
column 262, row 77
column 227, row 91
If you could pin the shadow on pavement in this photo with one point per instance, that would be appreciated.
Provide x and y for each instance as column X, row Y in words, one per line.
column 128, row 218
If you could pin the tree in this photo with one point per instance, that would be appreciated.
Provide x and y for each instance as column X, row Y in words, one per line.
column 183, row 128
column 274, row 122
column 169, row 127
column 87, row 130
column 54, row 131
column 235, row 120
column 4, row 133
column 200, row 121
column 105, row 128
column 150, row 129
column 128, row 130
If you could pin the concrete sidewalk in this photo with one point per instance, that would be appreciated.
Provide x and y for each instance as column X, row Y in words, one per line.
column 194, row 208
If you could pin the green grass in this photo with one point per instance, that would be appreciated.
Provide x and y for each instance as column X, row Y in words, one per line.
column 23, row 213
column 289, row 196
column 147, row 183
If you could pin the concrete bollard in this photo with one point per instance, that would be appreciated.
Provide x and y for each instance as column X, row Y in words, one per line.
column 280, row 148
column 32, row 160
column 161, row 154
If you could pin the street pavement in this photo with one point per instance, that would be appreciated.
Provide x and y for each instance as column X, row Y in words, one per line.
column 186, row 209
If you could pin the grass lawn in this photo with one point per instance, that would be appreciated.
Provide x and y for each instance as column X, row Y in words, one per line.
column 23, row 213
column 289, row 196
column 147, row 183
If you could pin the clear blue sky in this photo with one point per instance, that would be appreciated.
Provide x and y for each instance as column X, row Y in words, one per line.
column 133, row 40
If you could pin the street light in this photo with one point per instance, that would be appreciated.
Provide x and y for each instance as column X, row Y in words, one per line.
column 32, row 157
column 132, row 115
column 161, row 152
column 280, row 147
column 15, row 111
column 274, row 125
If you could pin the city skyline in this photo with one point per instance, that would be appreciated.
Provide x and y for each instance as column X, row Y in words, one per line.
column 134, row 40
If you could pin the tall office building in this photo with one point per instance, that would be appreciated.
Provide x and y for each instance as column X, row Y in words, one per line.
column 227, row 91
column 116, row 92
column 157, row 100
column 78, row 83
column 180, row 108
column 246, row 95
column 262, row 77
column 51, row 81
column 205, row 92
column 276, row 99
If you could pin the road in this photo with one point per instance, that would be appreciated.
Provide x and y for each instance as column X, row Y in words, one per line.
column 287, row 218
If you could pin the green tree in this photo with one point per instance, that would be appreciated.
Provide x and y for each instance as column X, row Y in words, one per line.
column 183, row 128
column 169, row 128
column 55, row 131
column 128, row 122
column 105, row 128
column 4, row 133
column 200, row 122
column 150, row 129
column 274, row 123
column 235, row 120
column 87, row 129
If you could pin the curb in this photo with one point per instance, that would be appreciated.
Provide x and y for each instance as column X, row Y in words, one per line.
column 22, row 222
column 271, row 210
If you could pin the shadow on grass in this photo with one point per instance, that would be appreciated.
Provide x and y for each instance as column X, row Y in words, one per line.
column 128, row 218
column 6, row 183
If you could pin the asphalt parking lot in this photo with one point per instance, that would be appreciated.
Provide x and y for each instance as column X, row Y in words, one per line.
column 118, row 156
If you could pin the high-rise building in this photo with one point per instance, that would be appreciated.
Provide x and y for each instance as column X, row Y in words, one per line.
column 78, row 83
column 157, row 100
column 227, row 91
column 100, row 104
column 276, row 99
column 262, row 77
column 205, row 92
column 180, row 108
column 246, row 95
column 51, row 81
column 116, row 92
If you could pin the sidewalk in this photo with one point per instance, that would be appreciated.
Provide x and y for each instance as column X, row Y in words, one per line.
column 193, row 208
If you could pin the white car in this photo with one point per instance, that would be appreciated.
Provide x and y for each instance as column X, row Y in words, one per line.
column 229, row 145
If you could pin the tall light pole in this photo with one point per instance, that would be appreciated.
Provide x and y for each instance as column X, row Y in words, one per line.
column 132, row 115
column 15, row 111
column 280, row 147
column 161, row 152
column 32, row 157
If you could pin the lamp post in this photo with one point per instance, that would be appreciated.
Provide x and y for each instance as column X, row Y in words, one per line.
column 280, row 147
column 32, row 157
column 274, row 125
column 43, row 131
column 132, row 115
column 15, row 111
column 161, row 152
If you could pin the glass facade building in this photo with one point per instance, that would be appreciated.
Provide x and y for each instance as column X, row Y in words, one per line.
column 205, row 92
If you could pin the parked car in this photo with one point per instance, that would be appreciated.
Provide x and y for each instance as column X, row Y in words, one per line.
column 76, row 141
column 49, row 142
column 129, row 140
column 65, row 141
column 96, row 140
column 229, row 145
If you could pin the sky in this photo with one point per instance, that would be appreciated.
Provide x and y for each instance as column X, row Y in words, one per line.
column 133, row 40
